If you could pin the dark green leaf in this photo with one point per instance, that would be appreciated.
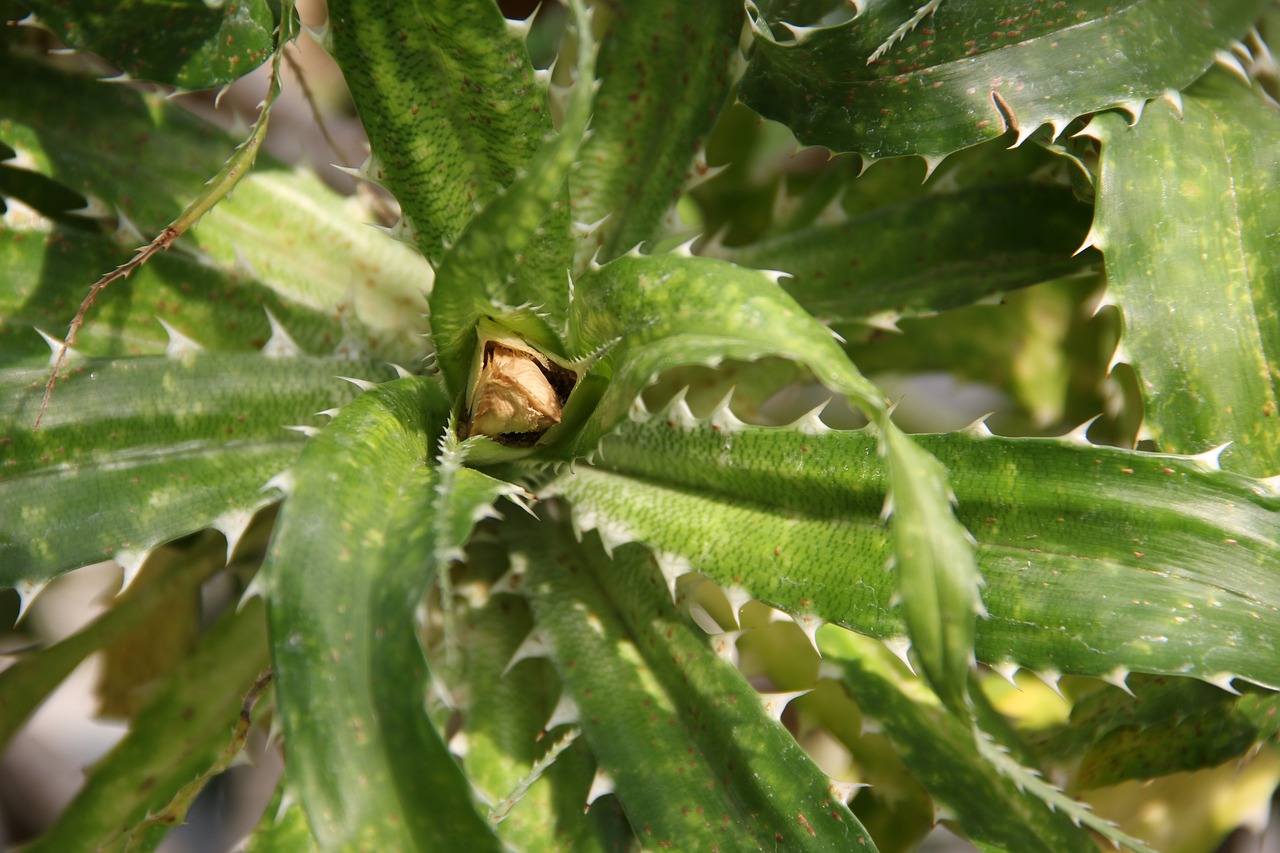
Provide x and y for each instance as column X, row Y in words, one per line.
column 190, row 44
column 970, row 71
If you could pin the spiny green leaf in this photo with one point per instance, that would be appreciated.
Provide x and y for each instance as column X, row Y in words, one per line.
column 933, row 253
column 473, row 276
column 654, row 699
column 938, row 580
column 1187, row 217
column 970, row 71
column 190, row 44
column 449, row 100
column 176, row 737
column 652, row 111
column 111, row 471
column 644, row 314
column 346, row 573
column 1121, row 561
column 940, row 751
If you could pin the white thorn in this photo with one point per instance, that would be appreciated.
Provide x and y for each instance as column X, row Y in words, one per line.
column 459, row 745
column 55, row 347
column 979, row 427
column 282, row 482
column 775, row 276
column 28, row 591
column 232, row 525
column 737, row 597
column 256, row 588
column 1051, row 677
column 775, row 703
column 809, row 625
column 1230, row 62
column 931, row 163
column 280, row 344
column 1174, row 98
column 901, row 647
column 1093, row 238
column 565, row 713
column 533, row 646
column 401, row 373
column 1134, row 108
column 673, row 567
column 725, row 645
column 1222, row 680
column 677, row 412
column 1117, row 678
column 179, row 344
column 810, row 423
column 722, row 418
column 130, row 562
column 601, row 784
column 362, row 384
column 1211, row 458
column 685, row 249
column 1080, row 435
column 842, row 790
column 1007, row 670
column 303, row 429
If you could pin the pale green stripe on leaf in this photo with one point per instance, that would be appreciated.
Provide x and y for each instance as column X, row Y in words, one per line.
column 940, row 750
column 177, row 737
column 637, row 671
column 183, row 44
column 345, row 576
column 113, row 465
column 1188, row 213
column 931, row 253
column 970, row 71
column 1123, row 561
column 652, row 112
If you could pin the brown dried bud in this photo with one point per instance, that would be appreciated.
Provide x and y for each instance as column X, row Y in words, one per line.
column 516, row 392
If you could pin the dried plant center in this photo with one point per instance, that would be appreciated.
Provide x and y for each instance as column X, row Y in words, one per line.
column 518, row 394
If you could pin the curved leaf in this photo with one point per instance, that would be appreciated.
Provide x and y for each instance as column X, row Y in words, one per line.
column 1121, row 561
column 655, row 699
column 642, row 314
column 970, row 71
column 111, row 473
column 346, row 573
column 1187, row 218
column 189, row 44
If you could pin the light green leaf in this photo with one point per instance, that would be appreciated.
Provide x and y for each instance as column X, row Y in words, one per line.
column 655, row 700
column 970, row 71
column 651, row 114
column 90, row 138
column 938, row 579
column 175, row 739
column 1187, row 218
column 346, row 573
column 111, row 471
column 190, row 44
column 1121, row 561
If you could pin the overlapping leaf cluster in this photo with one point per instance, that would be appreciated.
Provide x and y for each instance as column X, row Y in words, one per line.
column 559, row 587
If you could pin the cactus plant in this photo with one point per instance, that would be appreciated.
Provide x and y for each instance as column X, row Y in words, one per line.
column 522, row 590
